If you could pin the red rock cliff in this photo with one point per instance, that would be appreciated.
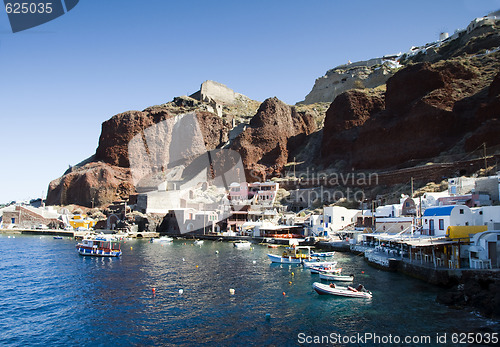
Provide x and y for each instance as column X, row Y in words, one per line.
column 428, row 109
column 273, row 131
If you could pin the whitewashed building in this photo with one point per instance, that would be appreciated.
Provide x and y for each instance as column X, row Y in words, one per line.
column 338, row 217
column 487, row 215
column 484, row 250
column 436, row 220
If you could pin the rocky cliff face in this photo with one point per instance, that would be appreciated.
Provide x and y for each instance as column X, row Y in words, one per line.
column 369, row 74
column 108, row 177
column 117, row 132
column 93, row 184
column 275, row 130
column 428, row 109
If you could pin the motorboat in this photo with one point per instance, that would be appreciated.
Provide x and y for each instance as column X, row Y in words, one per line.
column 163, row 239
column 322, row 254
column 316, row 262
column 325, row 269
column 198, row 242
column 242, row 244
column 292, row 255
column 99, row 248
column 348, row 291
column 336, row 277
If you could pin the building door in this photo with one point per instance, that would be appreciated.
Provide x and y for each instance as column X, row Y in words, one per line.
column 431, row 226
column 492, row 253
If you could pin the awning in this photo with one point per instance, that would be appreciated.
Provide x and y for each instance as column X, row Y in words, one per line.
column 476, row 249
column 428, row 243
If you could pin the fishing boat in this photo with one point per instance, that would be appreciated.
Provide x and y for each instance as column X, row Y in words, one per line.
column 348, row 291
column 57, row 237
column 163, row 239
column 99, row 248
column 322, row 254
column 292, row 255
column 325, row 269
column 336, row 277
column 242, row 244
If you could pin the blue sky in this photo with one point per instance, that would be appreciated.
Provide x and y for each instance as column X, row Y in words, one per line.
column 61, row 80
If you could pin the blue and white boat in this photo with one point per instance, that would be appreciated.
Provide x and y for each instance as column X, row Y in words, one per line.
column 99, row 248
column 292, row 255
column 322, row 254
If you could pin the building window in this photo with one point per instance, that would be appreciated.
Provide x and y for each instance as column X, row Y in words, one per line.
column 461, row 211
column 426, row 221
column 441, row 224
column 342, row 218
column 481, row 213
column 13, row 220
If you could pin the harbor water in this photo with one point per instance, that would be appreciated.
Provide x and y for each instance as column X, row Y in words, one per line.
column 50, row 295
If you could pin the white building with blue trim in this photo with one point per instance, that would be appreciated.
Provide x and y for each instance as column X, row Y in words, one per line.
column 436, row 220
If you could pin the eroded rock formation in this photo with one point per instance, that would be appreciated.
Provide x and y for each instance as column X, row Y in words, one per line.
column 273, row 131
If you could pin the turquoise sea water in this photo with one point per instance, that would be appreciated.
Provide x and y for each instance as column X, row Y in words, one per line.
column 50, row 295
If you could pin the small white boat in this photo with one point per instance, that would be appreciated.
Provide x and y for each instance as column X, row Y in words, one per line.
column 336, row 277
column 163, row 239
column 325, row 269
column 198, row 242
column 316, row 262
column 333, row 289
column 292, row 255
column 322, row 254
column 242, row 244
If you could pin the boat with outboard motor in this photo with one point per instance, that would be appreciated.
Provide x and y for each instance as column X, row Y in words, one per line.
column 348, row 291
column 242, row 244
column 163, row 239
column 336, row 277
column 316, row 262
column 325, row 269
column 322, row 254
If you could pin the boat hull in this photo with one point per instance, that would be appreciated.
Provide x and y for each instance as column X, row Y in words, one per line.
column 284, row 260
column 315, row 262
column 162, row 240
column 324, row 289
column 323, row 255
column 98, row 252
column 333, row 277
column 242, row 245
column 318, row 270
